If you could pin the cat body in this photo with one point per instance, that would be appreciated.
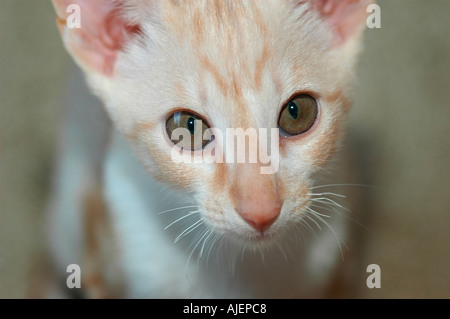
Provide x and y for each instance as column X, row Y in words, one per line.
column 141, row 225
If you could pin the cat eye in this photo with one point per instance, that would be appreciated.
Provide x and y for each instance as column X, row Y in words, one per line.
column 193, row 129
column 298, row 115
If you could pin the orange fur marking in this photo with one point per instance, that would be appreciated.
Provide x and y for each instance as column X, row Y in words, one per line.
column 139, row 128
column 216, row 75
column 325, row 145
column 338, row 97
column 220, row 178
column 98, row 235
column 259, row 67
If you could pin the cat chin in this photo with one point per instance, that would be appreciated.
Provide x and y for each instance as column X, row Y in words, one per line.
column 279, row 236
column 255, row 240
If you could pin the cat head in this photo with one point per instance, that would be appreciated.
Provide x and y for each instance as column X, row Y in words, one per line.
column 283, row 65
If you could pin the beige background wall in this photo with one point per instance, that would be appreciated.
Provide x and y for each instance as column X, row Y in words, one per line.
column 401, row 119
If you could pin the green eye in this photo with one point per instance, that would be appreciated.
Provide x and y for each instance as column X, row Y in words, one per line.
column 298, row 115
column 192, row 127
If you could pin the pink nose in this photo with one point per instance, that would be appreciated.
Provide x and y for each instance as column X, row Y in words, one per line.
column 259, row 216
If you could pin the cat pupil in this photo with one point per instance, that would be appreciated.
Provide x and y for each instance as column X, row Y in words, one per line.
column 293, row 110
column 191, row 125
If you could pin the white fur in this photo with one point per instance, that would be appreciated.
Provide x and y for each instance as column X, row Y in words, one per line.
column 142, row 89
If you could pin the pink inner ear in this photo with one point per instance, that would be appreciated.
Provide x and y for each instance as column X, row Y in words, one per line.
column 344, row 16
column 102, row 35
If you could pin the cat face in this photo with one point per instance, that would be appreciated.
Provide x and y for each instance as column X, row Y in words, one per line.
column 284, row 65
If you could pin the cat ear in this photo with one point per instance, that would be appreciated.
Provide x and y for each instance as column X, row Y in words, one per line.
column 345, row 17
column 102, row 33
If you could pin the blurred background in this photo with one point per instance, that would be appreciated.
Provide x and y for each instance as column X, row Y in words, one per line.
column 401, row 118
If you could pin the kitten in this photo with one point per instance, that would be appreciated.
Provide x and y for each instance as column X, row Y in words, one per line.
column 141, row 224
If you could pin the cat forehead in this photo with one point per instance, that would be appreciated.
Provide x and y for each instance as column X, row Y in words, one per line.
column 243, row 33
column 235, row 63
column 245, row 54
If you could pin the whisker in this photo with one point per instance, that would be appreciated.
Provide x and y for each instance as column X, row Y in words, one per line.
column 326, row 199
column 317, row 213
column 204, row 242
column 328, row 205
column 314, row 221
column 214, row 240
column 308, row 226
column 261, row 252
column 242, row 253
column 335, row 210
column 332, row 230
column 196, row 245
column 182, row 217
column 327, row 193
column 300, row 231
column 233, row 265
column 282, row 251
column 189, row 229
column 178, row 208
column 222, row 240
column 338, row 185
